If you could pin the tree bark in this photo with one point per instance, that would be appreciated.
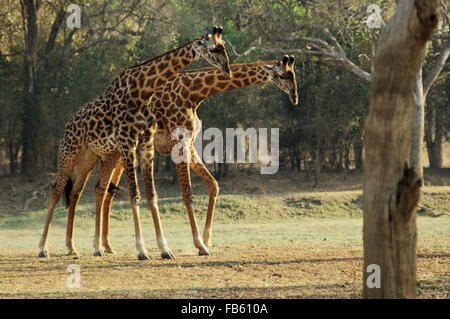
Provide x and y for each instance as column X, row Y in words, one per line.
column 419, row 126
column 391, row 188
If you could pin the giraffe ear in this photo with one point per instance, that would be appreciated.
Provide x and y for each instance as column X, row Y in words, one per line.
column 205, row 39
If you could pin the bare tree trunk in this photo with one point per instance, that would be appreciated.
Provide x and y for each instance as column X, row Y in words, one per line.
column 317, row 163
column 298, row 158
column 436, row 134
column 358, row 149
column 31, row 108
column 216, row 169
column 391, row 189
column 419, row 126
column 436, row 146
column 436, row 153
column 292, row 156
column 13, row 145
column 168, row 163
column 421, row 90
column 435, row 141
column 225, row 170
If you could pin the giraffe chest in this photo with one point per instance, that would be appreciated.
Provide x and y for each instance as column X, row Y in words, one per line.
column 164, row 133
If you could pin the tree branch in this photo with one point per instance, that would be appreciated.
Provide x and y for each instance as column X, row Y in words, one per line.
column 436, row 70
column 332, row 50
column 53, row 34
column 343, row 61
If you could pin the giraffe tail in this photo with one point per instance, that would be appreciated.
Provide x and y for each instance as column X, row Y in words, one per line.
column 67, row 190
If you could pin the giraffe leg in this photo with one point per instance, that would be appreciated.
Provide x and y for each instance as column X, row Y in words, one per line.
column 129, row 160
column 66, row 162
column 105, row 171
column 199, row 168
column 106, row 207
column 186, row 191
column 55, row 195
column 146, row 162
column 82, row 171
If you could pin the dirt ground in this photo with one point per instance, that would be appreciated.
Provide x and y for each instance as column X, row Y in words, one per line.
column 244, row 271
column 274, row 238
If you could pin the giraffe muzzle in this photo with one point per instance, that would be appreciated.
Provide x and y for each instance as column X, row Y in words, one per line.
column 294, row 97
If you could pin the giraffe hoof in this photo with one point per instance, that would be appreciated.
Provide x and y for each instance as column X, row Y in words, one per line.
column 167, row 255
column 110, row 251
column 204, row 253
column 99, row 253
column 143, row 256
column 72, row 253
column 43, row 254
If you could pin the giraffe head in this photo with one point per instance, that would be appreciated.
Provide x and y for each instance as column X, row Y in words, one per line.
column 212, row 48
column 283, row 75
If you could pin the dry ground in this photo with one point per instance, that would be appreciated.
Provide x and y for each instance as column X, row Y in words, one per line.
column 240, row 271
column 273, row 238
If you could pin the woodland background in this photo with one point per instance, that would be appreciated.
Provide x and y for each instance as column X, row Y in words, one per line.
column 47, row 71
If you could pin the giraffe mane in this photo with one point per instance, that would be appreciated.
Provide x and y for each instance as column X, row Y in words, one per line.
column 158, row 56
column 232, row 66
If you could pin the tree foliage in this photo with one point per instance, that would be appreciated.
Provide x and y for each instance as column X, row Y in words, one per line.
column 73, row 66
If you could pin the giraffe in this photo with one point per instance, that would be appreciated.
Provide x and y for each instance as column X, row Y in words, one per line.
column 174, row 106
column 114, row 122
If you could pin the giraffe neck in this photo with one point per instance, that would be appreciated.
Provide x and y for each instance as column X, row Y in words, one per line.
column 144, row 79
column 204, row 83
